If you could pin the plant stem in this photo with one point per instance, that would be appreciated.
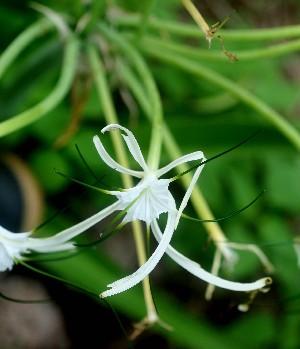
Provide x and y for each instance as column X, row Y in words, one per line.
column 68, row 71
column 98, row 73
column 97, row 9
column 204, row 54
column 195, row 68
column 151, row 90
column 196, row 15
column 192, row 31
column 22, row 41
column 144, row 21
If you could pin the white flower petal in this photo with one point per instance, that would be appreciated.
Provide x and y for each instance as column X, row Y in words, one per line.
column 133, row 279
column 197, row 155
column 4, row 233
column 11, row 247
column 112, row 163
column 14, row 246
column 132, row 144
column 152, row 198
column 51, row 247
column 195, row 269
column 6, row 261
column 135, row 150
column 54, row 243
column 188, row 193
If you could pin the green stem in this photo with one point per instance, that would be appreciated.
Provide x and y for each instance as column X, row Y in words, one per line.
column 195, row 68
column 77, row 8
column 97, row 9
column 144, row 21
column 98, row 73
column 191, row 30
column 145, row 75
column 23, row 40
column 135, row 86
column 245, row 55
column 63, row 86
column 269, row 51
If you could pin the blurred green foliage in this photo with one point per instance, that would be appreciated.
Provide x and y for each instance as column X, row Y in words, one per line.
column 203, row 116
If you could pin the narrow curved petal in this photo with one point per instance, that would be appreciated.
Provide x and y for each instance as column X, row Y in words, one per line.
column 132, row 144
column 195, row 269
column 188, row 193
column 197, row 155
column 135, row 151
column 112, row 163
column 133, row 279
column 4, row 233
column 53, row 243
column 51, row 246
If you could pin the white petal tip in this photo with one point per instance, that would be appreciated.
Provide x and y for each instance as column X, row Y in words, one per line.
column 111, row 127
column 261, row 285
column 107, row 293
column 268, row 281
column 243, row 307
column 96, row 140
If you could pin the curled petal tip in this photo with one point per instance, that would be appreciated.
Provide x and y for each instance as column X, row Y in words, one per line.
column 111, row 127
column 268, row 281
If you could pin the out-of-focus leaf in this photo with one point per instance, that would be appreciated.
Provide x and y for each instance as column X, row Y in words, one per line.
column 282, row 181
column 44, row 162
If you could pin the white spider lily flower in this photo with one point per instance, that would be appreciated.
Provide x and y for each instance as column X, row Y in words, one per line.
column 146, row 201
column 152, row 194
column 15, row 246
column 151, row 197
